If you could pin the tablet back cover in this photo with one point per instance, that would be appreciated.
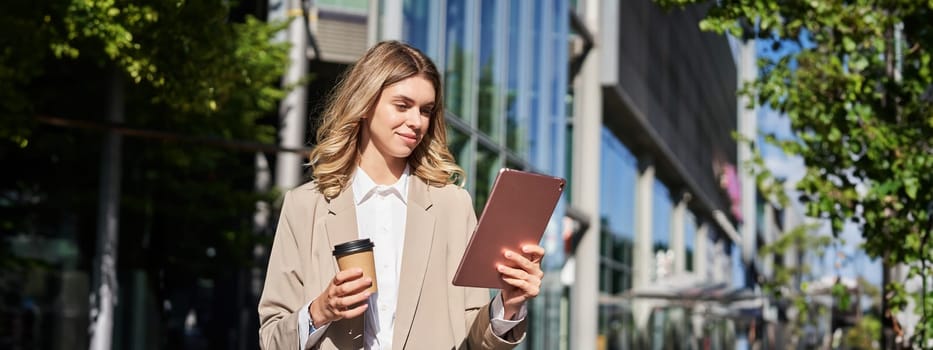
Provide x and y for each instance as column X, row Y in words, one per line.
column 517, row 212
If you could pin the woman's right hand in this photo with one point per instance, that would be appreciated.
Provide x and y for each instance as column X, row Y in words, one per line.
column 345, row 297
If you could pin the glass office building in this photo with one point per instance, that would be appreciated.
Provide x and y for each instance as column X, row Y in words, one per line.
column 664, row 248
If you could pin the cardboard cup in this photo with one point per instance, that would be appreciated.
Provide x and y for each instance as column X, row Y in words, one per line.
column 358, row 253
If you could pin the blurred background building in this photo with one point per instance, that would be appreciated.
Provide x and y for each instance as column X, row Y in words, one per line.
column 655, row 244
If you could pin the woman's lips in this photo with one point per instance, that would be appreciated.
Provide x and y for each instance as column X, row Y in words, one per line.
column 408, row 138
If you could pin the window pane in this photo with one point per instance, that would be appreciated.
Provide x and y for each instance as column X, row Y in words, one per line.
column 487, row 166
column 488, row 111
column 690, row 228
column 515, row 130
column 617, row 182
column 618, row 173
column 661, row 235
column 663, row 264
column 416, row 24
column 455, row 71
column 459, row 142
column 536, row 114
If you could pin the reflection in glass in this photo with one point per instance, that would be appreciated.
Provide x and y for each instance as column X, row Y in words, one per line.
column 618, row 173
column 487, row 166
column 662, row 258
column 515, row 128
column 617, row 208
column 455, row 71
column 416, row 24
column 488, row 111
column 458, row 142
column 617, row 181
column 536, row 115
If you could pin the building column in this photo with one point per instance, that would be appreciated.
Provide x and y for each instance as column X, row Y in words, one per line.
column 587, row 127
column 643, row 266
column 105, row 282
column 748, row 126
column 678, row 243
column 701, row 254
column 293, row 115
column 391, row 20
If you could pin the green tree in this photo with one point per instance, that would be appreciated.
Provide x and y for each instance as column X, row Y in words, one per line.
column 192, row 69
column 856, row 81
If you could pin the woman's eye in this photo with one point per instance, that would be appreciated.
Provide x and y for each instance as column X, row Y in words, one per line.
column 401, row 107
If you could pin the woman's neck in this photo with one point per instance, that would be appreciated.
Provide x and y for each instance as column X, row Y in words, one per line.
column 383, row 171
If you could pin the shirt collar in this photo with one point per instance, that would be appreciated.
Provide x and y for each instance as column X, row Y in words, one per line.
column 364, row 187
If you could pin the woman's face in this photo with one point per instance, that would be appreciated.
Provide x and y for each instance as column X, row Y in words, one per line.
column 400, row 119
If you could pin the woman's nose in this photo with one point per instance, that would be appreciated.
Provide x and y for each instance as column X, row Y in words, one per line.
column 413, row 118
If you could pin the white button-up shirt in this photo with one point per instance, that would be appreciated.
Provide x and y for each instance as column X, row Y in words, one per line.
column 381, row 213
column 380, row 216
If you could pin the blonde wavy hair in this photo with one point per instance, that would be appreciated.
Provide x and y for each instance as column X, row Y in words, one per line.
column 336, row 155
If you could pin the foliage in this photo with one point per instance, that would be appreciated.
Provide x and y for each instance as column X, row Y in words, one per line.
column 789, row 282
column 198, row 68
column 856, row 81
column 801, row 240
column 865, row 334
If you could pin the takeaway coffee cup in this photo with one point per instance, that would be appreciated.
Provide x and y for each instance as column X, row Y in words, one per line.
column 358, row 253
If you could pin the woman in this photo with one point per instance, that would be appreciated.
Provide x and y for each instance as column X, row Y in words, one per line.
column 382, row 171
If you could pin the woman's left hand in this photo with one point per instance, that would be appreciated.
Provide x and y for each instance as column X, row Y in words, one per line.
column 521, row 277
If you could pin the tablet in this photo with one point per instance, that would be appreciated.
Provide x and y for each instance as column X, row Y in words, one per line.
column 517, row 212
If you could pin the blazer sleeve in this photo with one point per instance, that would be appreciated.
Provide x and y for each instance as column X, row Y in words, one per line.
column 282, row 291
column 479, row 330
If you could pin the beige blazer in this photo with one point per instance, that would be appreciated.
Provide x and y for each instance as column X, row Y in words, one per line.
column 431, row 312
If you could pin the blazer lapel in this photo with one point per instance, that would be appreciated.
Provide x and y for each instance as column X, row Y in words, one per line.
column 419, row 236
column 341, row 219
column 341, row 226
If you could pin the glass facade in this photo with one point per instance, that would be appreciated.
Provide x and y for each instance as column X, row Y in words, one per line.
column 417, row 15
column 661, row 220
column 669, row 325
column 515, row 107
column 510, row 112
column 490, row 85
column 487, row 167
column 618, row 174
column 455, row 66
